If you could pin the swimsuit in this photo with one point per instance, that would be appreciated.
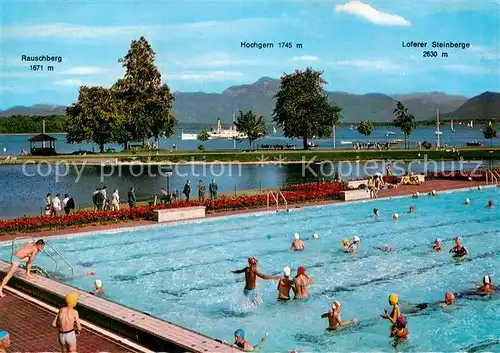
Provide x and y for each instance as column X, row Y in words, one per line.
column 17, row 261
column 240, row 344
column 460, row 252
column 301, row 299
column 67, row 337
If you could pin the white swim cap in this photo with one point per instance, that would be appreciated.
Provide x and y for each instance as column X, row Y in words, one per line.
column 356, row 238
column 98, row 283
column 315, row 236
column 467, row 200
column 479, row 187
column 434, row 192
column 296, row 236
column 287, row 271
column 486, row 280
column 438, row 240
column 396, row 216
column 417, row 194
column 336, row 305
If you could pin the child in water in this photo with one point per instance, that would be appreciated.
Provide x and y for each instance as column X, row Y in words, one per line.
column 449, row 300
column 400, row 330
column 334, row 319
column 438, row 246
column 99, row 290
column 396, row 311
column 239, row 341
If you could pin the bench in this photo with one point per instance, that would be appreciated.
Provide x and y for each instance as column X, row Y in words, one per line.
column 179, row 214
column 351, row 195
column 354, row 184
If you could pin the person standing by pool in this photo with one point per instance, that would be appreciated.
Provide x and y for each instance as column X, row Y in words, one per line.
column 48, row 204
column 56, row 205
column 65, row 321
column 459, row 249
column 285, row 285
column 201, row 191
column 438, row 246
column 213, row 190
column 115, row 201
column 131, row 198
column 187, row 190
column 297, row 244
column 251, row 274
column 27, row 254
column 334, row 319
column 301, row 282
column 396, row 311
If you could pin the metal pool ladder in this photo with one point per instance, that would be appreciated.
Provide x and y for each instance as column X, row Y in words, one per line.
column 493, row 177
column 51, row 256
column 276, row 198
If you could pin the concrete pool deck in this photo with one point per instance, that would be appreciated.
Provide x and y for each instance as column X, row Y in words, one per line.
column 151, row 332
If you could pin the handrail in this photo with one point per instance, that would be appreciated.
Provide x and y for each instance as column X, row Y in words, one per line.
column 269, row 192
column 284, row 199
column 62, row 257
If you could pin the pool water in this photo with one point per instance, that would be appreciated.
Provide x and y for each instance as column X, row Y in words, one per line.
column 182, row 273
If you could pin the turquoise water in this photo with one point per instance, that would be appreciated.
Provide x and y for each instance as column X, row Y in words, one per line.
column 182, row 273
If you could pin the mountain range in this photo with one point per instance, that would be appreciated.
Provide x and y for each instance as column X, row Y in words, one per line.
column 205, row 108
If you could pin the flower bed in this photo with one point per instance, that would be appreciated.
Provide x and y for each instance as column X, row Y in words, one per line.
column 293, row 194
column 478, row 175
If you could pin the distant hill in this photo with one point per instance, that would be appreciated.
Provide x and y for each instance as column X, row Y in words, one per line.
column 205, row 108
column 485, row 106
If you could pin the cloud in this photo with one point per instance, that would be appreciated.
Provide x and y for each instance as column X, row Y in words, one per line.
column 380, row 65
column 182, row 30
column 371, row 14
column 204, row 76
column 485, row 53
column 470, row 69
column 215, row 59
column 305, row 58
column 70, row 82
column 84, row 70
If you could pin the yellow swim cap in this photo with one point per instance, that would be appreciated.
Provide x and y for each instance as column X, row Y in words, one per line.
column 71, row 299
column 345, row 241
column 393, row 298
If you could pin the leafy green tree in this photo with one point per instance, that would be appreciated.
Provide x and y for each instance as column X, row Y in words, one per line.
column 93, row 117
column 302, row 107
column 146, row 101
column 404, row 120
column 251, row 125
column 366, row 128
column 203, row 136
column 490, row 132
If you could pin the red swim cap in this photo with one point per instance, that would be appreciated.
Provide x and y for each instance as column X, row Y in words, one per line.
column 449, row 296
column 252, row 261
column 301, row 270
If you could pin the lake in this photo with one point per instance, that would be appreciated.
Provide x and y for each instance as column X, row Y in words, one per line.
column 13, row 143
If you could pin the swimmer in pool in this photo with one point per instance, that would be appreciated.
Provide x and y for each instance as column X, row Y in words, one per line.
column 301, row 282
column 384, row 248
column 487, row 287
column 251, row 274
column 396, row 311
column 334, row 319
column 467, row 201
column 438, row 245
column 416, row 195
column 345, row 243
column 297, row 244
column 459, row 249
column 400, row 330
column 449, row 300
column 432, row 193
column 412, row 209
column 99, row 290
column 354, row 245
column 375, row 212
column 27, row 254
column 285, row 285
column 490, row 204
column 239, row 341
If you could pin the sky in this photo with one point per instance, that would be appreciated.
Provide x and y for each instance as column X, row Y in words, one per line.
column 358, row 44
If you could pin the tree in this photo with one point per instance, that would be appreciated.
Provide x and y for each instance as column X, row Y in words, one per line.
column 365, row 128
column 93, row 117
column 302, row 107
column 146, row 101
column 404, row 120
column 252, row 126
column 490, row 132
column 203, row 136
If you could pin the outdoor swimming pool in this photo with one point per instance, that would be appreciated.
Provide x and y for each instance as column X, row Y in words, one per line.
column 182, row 273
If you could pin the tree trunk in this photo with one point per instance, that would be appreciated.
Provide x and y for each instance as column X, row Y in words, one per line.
column 304, row 141
column 145, row 142
column 101, row 147
column 157, row 142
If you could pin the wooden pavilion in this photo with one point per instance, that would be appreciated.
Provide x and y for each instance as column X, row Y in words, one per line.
column 42, row 149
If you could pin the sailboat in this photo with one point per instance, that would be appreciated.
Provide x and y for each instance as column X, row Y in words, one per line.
column 437, row 132
column 274, row 129
column 452, row 129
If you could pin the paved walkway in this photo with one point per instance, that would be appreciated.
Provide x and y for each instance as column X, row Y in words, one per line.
column 31, row 330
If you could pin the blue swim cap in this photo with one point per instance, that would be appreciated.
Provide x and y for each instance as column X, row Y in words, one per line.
column 3, row 334
column 240, row 332
column 268, row 236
